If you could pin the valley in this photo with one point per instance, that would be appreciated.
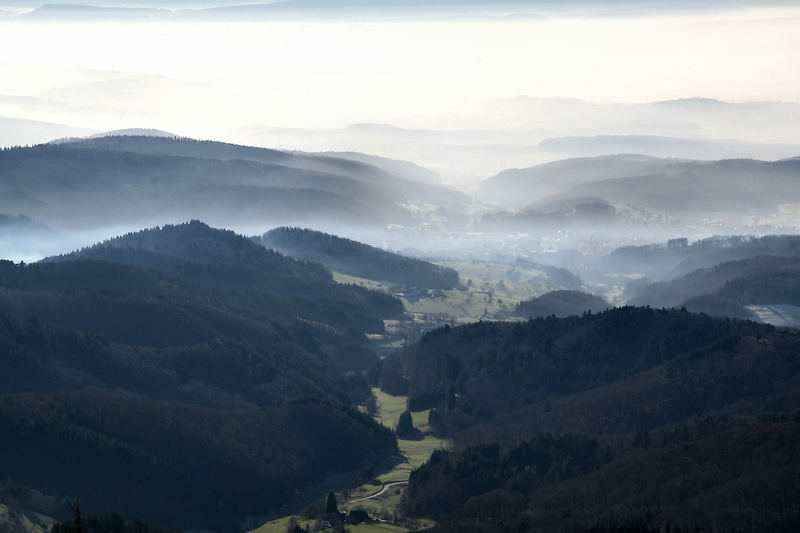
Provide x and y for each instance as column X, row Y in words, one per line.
column 380, row 498
column 441, row 266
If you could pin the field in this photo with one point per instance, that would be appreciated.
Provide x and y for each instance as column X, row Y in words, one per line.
column 487, row 290
column 386, row 506
column 415, row 452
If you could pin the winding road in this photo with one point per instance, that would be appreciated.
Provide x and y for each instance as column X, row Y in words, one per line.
column 386, row 486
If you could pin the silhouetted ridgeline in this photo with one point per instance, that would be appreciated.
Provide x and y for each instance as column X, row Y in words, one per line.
column 560, row 303
column 208, row 274
column 358, row 259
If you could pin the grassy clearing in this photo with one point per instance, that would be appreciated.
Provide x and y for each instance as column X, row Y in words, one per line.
column 384, row 506
column 489, row 289
column 365, row 490
column 363, row 282
column 387, row 505
column 415, row 452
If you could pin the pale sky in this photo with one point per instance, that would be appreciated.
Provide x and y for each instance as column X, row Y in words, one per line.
column 200, row 79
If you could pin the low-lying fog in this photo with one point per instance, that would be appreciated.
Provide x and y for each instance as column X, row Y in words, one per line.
column 449, row 89
column 468, row 98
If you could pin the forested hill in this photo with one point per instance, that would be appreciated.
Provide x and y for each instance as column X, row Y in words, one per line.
column 358, row 259
column 560, row 303
column 678, row 257
column 619, row 370
column 130, row 364
column 214, row 283
column 707, row 475
column 196, row 436
column 725, row 289
column 687, row 190
column 404, row 180
column 208, row 255
column 140, row 180
column 629, row 420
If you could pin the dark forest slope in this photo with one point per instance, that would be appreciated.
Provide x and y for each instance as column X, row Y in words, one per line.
column 619, row 370
column 126, row 428
column 358, row 259
column 711, row 474
column 626, row 420
column 560, row 303
column 219, row 271
column 206, row 378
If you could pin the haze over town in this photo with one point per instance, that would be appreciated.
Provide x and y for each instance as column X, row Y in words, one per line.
column 399, row 265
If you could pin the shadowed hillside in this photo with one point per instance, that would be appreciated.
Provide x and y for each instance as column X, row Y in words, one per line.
column 183, row 346
column 685, row 190
column 561, row 303
column 358, row 259
column 632, row 419
column 138, row 179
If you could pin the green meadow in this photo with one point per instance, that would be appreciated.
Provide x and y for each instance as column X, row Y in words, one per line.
column 387, row 505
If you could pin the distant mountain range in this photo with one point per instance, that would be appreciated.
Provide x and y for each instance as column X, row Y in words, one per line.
column 116, row 179
column 660, row 262
column 670, row 147
column 133, row 132
column 22, row 132
column 692, row 191
column 228, row 10
column 467, row 146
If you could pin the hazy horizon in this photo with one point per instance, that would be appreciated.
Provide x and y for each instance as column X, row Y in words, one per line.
column 217, row 80
column 465, row 96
